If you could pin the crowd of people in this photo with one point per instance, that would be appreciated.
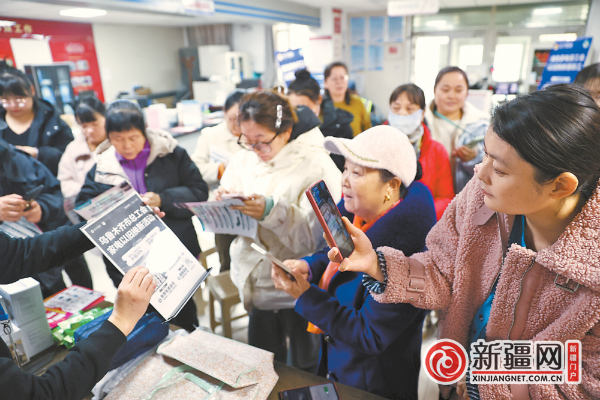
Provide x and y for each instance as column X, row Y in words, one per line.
column 473, row 214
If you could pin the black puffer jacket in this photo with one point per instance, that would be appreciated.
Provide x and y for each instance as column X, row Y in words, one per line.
column 336, row 123
column 20, row 173
column 48, row 132
column 170, row 173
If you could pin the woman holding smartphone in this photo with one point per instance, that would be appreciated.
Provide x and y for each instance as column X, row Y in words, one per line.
column 284, row 156
column 372, row 346
column 516, row 254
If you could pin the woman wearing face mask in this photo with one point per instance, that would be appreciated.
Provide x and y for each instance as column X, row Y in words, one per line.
column 283, row 156
column 516, row 254
column 457, row 124
column 160, row 170
column 336, row 89
column 407, row 104
column 32, row 124
column 79, row 156
column 305, row 91
column 371, row 346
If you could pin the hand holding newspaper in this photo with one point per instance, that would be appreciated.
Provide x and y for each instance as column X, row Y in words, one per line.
column 129, row 234
column 219, row 217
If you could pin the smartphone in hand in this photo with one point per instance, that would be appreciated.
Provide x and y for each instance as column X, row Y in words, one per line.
column 271, row 257
column 240, row 196
column 329, row 216
column 31, row 195
column 326, row 391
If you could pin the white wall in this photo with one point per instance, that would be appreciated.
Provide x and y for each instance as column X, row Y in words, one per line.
column 135, row 54
column 377, row 86
column 250, row 38
column 593, row 29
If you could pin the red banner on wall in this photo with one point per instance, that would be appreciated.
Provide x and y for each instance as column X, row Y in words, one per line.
column 69, row 42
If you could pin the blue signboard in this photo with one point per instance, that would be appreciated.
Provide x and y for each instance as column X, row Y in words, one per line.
column 289, row 62
column 565, row 61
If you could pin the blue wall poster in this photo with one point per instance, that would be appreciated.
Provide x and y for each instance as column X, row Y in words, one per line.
column 357, row 29
column 376, row 29
column 565, row 61
column 357, row 58
column 289, row 62
column 375, row 57
column 395, row 29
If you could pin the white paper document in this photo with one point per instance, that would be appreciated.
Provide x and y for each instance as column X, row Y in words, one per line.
column 99, row 204
column 219, row 217
column 20, row 229
column 130, row 234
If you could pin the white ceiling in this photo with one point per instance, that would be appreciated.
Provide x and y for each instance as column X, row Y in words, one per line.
column 45, row 11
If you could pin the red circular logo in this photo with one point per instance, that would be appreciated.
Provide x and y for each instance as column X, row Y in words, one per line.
column 445, row 361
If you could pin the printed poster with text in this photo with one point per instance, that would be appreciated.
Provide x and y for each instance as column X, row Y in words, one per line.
column 129, row 234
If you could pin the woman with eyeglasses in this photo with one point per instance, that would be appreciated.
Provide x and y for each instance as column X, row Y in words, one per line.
column 160, row 170
column 284, row 156
column 32, row 124
column 336, row 89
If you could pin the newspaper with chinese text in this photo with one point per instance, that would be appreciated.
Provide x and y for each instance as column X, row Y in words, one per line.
column 129, row 234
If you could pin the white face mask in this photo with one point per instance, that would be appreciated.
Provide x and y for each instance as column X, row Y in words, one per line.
column 408, row 124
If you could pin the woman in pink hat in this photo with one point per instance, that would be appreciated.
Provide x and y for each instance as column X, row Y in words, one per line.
column 372, row 346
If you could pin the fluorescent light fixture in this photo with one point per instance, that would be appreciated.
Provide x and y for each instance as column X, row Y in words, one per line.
column 82, row 12
column 7, row 23
column 558, row 37
column 535, row 25
column 547, row 11
column 437, row 23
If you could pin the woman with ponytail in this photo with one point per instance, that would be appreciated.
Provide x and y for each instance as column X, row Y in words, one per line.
column 283, row 156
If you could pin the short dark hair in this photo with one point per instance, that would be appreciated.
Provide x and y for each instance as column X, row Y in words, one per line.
column 233, row 99
column 413, row 92
column 305, row 85
column 124, row 115
column 87, row 108
column 589, row 76
column 448, row 70
column 14, row 82
column 327, row 73
column 555, row 130
column 386, row 176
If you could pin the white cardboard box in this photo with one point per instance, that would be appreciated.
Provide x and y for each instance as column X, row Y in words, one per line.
column 30, row 339
column 23, row 301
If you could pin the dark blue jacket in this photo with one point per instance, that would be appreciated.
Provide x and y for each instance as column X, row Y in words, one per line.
column 372, row 346
column 20, row 173
column 48, row 132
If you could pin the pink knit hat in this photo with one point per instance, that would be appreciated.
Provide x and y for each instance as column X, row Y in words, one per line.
column 380, row 147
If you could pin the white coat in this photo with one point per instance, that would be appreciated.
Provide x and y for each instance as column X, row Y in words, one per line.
column 75, row 163
column 220, row 137
column 291, row 230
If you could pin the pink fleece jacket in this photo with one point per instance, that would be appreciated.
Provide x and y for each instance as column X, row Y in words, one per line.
column 464, row 257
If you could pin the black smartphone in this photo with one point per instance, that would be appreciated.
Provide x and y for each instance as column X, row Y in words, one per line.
column 326, row 391
column 329, row 216
column 31, row 195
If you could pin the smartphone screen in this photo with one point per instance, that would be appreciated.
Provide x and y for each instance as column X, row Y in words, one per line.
column 319, row 392
column 332, row 218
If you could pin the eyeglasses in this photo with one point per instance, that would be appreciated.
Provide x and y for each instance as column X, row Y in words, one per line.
column 338, row 78
column 18, row 101
column 261, row 147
